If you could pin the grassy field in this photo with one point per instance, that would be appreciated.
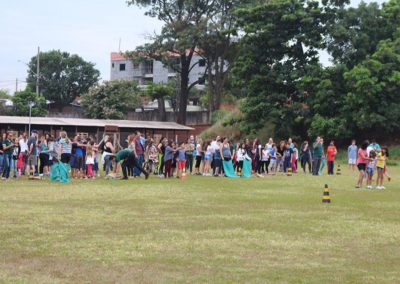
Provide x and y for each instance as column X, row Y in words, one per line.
column 202, row 230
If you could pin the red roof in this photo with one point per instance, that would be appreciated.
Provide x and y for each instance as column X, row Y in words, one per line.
column 117, row 56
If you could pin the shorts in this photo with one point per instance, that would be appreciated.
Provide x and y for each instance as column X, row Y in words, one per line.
column 198, row 161
column 370, row 171
column 78, row 162
column 272, row 163
column 32, row 160
column 352, row 161
column 379, row 169
column 361, row 167
column 181, row 165
column 208, row 157
column 65, row 158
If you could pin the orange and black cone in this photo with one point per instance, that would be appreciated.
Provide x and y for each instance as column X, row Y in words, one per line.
column 326, row 197
column 338, row 171
column 289, row 172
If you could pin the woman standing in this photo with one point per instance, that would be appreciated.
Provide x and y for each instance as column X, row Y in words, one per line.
column 108, row 151
column 44, row 157
column 162, row 144
column 168, row 159
column 362, row 162
column 199, row 155
column 305, row 157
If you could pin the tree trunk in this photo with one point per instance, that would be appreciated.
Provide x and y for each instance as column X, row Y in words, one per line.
column 184, row 91
column 161, row 109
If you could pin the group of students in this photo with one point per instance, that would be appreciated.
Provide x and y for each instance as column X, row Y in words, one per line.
column 217, row 157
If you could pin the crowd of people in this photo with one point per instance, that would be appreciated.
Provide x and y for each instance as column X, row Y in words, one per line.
column 165, row 158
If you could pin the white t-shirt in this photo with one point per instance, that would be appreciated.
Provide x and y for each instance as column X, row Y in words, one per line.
column 24, row 145
column 268, row 146
column 240, row 155
column 265, row 155
column 198, row 150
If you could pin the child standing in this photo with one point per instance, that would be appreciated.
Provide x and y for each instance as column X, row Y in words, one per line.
column 89, row 161
column 352, row 155
column 264, row 160
column 380, row 167
column 331, row 153
column 272, row 159
column 287, row 158
column 181, row 160
column 371, row 168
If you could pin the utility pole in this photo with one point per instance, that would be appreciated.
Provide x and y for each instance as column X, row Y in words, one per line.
column 37, row 71
column 16, row 85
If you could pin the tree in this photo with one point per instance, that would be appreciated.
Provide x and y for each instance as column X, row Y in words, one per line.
column 354, row 33
column 111, row 100
column 160, row 92
column 372, row 102
column 21, row 102
column 279, row 48
column 184, row 24
column 219, row 49
column 62, row 76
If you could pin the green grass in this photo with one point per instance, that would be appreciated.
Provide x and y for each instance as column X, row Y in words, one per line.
column 273, row 230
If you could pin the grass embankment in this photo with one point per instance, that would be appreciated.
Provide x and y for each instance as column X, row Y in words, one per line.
column 274, row 229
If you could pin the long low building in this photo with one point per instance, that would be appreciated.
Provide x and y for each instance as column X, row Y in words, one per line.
column 95, row 128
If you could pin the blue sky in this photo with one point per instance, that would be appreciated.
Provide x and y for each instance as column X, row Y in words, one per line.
column 90, row 28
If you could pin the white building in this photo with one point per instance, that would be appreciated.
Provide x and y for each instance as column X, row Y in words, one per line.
column 152, row 70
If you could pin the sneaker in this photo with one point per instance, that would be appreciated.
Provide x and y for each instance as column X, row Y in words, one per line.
column 382, row 187
column 357, row 187
column 146, row 175
column 369, row 187
column 378, row 187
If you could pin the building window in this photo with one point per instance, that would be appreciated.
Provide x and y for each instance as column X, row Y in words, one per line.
column 122, row 67
column 148, row 67
column 202, row 81
column 202, row 62
column 147, row 81
column 112, row 65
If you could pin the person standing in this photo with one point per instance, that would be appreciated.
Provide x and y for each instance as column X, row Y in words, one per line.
column 287, row 158
column 362, row 161
column 317, row 155
column 8, row 149
column 331, row 153
column 2, row 138
column 305, row 157
column 32, row 153
column 199, row 155
column 168, row 159
column 139, row 153
column 190, row 148
column 23, row 144
column 352, row 155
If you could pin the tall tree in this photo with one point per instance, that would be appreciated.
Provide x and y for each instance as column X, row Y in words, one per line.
column 279, row 48
column 175, row 46
column 354, row 33
column 62, row 76
column 111, row 100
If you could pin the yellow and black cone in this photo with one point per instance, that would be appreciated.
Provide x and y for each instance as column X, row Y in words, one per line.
column 289, row 172
column 338, row 171
column 326, row 197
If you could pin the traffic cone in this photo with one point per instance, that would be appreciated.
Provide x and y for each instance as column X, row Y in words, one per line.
column 289, row 172
column 338, row 171
column 326, row 197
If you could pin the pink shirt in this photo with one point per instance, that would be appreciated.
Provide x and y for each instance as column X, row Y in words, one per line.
column 360, row 159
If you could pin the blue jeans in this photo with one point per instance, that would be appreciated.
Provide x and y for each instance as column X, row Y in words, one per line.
column 139, row 161
column 107, row 163
column 1, row 162
column 14, row 167
column 7, row 165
